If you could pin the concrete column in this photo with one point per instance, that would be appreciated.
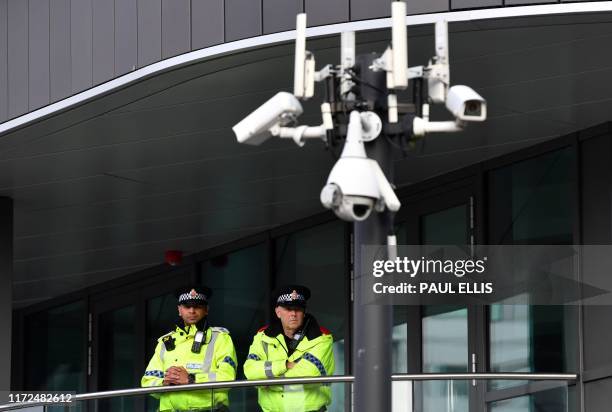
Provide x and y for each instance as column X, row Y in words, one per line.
column 6, row 285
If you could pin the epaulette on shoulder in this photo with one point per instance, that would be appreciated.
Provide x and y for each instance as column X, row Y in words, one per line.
column 262, row 328
column 219, row 329
column 324, row 331
column 163, row 336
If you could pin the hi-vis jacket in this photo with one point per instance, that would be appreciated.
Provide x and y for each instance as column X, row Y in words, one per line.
column 268, row 359
column 215, row 362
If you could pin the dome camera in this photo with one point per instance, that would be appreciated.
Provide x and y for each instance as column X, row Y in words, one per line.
column 356, row 184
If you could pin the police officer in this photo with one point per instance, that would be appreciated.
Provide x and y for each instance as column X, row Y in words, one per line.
column 291, row 346
column 193, row 352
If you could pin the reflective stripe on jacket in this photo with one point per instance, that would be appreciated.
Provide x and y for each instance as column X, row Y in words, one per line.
column 215, row 362
column 267, row 359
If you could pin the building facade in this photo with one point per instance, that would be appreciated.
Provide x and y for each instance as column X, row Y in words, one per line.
column 116, row 146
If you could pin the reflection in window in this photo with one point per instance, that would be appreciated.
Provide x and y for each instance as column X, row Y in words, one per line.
column 551, row 400
column 445, row 329
column 511, row 337
column 161, row 316
column 399, row 346
column 399, row 358
column 55, row 348
column 446, row 227
column 445, row 350
column 238, row 282
column 531, row 203
column 117, row 340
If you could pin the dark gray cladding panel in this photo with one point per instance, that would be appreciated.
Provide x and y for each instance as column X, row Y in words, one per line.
column 59, row 56
column 80, row 44
column 207, row 23
column 279, row 15
column 242, row 19
column 149, row 31
column 370, row 9
column 467, row 4
column 597, row 393
column 103, row 40
column 38, row 53
column 516, row 2
column 3, row 62
column 176, row 27
column 426, row 6
column 126, row 36
column 17, row 57
column 327, row 11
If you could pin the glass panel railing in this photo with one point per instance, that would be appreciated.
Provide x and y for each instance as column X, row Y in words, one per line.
column 545, row 397
column 290, row 398
column 410, row 393
column 294, row 398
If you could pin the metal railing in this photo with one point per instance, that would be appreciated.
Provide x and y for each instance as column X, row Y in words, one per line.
column 568, row 377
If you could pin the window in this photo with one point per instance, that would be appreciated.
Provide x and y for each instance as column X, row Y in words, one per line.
column 55, row 348
column 239, row 282
column 531, row 203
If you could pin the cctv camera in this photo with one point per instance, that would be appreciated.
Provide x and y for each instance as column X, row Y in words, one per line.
column 349, row 208
column 279, row 110
column 354, row 187
column 351, row 190
column 356, row 184
column 465, row 104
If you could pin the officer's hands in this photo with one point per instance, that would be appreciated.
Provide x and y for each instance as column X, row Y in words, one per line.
column 290, row 365
column 171, row 376
column 183, row 376
column 176, row 375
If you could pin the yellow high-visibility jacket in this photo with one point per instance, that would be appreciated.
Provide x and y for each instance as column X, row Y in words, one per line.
column 268, row 356
column 215, row 362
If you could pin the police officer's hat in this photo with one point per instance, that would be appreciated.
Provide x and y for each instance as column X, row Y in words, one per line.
column 193, row 295
column 291, row 296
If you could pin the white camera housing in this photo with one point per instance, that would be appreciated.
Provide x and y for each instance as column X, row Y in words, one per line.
column 466, row 105
column 351, row 189
column 281, row 109
column 356, row 184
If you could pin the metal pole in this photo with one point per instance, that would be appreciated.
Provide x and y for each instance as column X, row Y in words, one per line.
column 372, row 324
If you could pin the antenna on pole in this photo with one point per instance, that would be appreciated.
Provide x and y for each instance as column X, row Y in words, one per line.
column 399, row 45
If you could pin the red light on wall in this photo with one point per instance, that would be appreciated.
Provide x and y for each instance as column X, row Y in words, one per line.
column 173, row 257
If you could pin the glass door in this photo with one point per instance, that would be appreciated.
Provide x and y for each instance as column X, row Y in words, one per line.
column 440, row 338
column 115, row 362
column 445, row 328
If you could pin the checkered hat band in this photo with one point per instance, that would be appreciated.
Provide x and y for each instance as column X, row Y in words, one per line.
column 189, row 296
column 288, row 298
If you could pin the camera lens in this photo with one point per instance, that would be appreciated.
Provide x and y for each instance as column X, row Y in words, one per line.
column 472, row 108
column 360, row 210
